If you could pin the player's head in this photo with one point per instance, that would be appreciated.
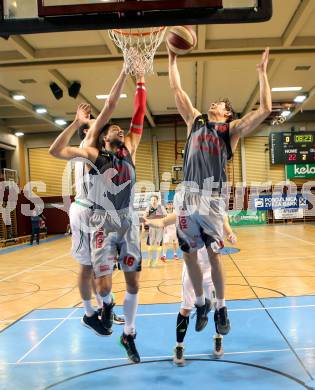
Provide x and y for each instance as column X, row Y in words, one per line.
column 83, row 129
column 154, row 200
column 222, row 110
column 170, row 207
column 113, row 135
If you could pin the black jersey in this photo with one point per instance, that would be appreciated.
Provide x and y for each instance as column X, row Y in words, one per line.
column 206, row 153
column 112, row 179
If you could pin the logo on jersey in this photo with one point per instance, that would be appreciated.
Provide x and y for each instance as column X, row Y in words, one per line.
column 104, row 268
column 122, row 153
column 221, row 128
column 182, row 220
column 207, row 143
column 99, row 239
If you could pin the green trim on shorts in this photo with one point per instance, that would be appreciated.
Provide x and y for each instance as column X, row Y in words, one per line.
column 82, row 204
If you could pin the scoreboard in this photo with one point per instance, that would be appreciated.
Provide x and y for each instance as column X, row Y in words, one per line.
column 292, row 147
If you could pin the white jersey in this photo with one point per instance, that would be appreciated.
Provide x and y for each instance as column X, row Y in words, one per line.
column 81, row 177
column 170, row 234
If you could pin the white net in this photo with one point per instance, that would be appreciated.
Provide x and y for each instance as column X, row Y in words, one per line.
column 138, row 47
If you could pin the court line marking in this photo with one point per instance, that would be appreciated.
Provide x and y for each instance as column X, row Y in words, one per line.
column 296, row 238
column 31, row 268
column 152, row 357
column 161, row 314
column 45, row 337
column 264, row 257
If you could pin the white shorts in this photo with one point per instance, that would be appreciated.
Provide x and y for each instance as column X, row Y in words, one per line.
column 155, row 236
column 79, row 216
column 199, row 222
column 170, row 235
column 188, row 293
column 109, row 239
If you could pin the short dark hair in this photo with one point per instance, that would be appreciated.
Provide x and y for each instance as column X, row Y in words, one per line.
column 229, row 107
column 155, row 196
column 81, row 131
column 105, row 129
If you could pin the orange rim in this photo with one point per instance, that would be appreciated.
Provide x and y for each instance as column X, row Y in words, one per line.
column 138, row 34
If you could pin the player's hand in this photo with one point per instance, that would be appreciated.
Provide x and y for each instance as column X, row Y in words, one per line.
column 231, row 238
column 83, row 113
column 158, row 223
column 262, row 66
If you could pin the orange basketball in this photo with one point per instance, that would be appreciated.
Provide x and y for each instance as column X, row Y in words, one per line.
column 181, row 39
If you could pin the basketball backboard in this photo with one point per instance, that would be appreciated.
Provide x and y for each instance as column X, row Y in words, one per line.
column 33, row 16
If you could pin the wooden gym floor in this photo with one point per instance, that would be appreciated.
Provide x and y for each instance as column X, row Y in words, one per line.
column 274, row 261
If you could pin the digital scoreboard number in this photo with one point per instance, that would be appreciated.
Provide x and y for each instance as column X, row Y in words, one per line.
column 292, row 148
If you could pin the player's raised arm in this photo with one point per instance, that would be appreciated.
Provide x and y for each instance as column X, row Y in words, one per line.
column 60, row 148
column 244, row 126
column 107, row 111
column 183, row 103
column 133, row 138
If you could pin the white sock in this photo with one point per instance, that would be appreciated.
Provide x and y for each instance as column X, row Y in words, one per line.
column 220, row 303
column 179, row 344
column 107, row 299
column 88, row 308
column 130, row 311
column 99, row 300
column 200, row 301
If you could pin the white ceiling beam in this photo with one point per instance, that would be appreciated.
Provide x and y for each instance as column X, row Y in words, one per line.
column 242, row 44
column 66, row 83
column 278, row 53
column 22, row 46
column 12, row 112
column 7, row 56
column 110, row 51
column 159, row 59
column 303, row 12
column 73, row 52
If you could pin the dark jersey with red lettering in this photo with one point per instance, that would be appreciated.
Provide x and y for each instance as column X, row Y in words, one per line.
column 206, row 153
column 112, row 180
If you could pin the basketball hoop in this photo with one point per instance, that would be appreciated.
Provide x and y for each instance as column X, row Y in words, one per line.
column 138, row 47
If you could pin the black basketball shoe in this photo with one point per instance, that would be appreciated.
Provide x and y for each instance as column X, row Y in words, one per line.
column 95, row 324
column 202, row 315
column 222, row 322
column 178, row 357
column 128, row 342
column 107, row 315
